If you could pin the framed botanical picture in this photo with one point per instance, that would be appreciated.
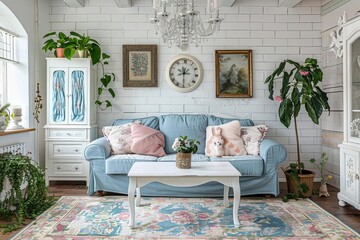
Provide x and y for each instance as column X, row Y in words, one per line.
column 233, row 73
column 140, row 65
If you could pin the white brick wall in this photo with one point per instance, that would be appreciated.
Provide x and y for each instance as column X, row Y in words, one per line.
column 273, row 33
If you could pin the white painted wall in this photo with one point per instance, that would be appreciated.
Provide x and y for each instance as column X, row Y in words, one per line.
column 31, row 68
column 273, row 33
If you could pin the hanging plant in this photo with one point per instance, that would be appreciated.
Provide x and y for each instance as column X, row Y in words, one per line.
column 19, row 204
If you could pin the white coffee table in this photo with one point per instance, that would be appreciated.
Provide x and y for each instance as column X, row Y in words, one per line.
column 142, row 173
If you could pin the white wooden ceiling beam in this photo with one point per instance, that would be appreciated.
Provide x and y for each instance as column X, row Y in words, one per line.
column 288, row 3
column 75, row 3
column 123, row 3
column 227, row 3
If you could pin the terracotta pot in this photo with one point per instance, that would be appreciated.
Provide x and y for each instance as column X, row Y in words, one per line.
column 183, row 160
column 306, row 177
column 60, row 52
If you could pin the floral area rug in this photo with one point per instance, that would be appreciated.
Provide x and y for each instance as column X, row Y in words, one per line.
column 185, row 218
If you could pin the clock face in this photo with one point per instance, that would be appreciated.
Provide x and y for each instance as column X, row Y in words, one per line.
column 184, row 73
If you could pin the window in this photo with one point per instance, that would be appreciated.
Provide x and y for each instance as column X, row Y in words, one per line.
column 7, row 56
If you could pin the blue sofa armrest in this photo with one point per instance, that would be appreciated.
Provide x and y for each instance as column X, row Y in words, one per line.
column 273, row 153
column 97, row 149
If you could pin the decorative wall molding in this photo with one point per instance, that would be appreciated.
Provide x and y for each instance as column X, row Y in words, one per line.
column 75, row 3
column 288, row 3
column 336, row 44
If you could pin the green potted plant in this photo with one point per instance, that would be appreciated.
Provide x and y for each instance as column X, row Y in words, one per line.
column 84, row 45
column 184, row 148
column 5, row 115
column 323, row 177
column 59, row 42
column 18, row 204
column 299, row 86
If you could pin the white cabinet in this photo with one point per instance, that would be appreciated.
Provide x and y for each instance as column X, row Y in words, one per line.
column 71, row 118
column 350, row 148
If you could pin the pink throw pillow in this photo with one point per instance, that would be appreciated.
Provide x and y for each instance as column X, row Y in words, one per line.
column 252, row 136
column 230, row 132
column 119, row 137
column 147, row 141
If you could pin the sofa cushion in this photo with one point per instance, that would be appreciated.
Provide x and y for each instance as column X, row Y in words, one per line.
column 119, row 137
column 252, row 136
column 194, row 158
column 247, row 165
column 121, row 164
column 233, row 144
column 193, row 126
column 152, row 121
column 147, row 140
column 213, row 120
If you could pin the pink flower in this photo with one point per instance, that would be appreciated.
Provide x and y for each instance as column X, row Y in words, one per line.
column 303, row 73
column 278, row 99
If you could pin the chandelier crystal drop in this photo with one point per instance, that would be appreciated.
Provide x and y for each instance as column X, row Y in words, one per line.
column 183, row 25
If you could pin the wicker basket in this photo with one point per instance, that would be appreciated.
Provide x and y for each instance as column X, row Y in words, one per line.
column 183, row 160
column 306, row 177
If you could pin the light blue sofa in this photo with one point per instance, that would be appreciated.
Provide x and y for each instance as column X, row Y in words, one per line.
column 109, row 172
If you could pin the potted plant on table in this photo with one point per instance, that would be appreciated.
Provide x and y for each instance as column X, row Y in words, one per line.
column 299, row 86
column 184, row 148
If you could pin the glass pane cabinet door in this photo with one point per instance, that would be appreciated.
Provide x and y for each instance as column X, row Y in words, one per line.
column 77, row 91
column 355, row 91
column 58, row 97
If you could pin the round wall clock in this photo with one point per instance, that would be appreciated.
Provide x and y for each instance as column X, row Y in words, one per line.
column 184, row 73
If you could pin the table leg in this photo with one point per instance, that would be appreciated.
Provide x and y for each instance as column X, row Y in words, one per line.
column 138, row 197
column 131, row 197
column 236, row 189
column 226, row 196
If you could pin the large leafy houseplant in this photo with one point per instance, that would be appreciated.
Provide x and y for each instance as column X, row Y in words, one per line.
column 56, row 41
column 19, row 204
column 299, row 87
column 85, row 44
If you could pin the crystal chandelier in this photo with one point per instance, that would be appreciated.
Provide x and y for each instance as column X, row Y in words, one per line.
column 185, row 26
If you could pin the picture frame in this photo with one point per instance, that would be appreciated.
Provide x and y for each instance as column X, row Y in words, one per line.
column 233, row 73
column 140, row 66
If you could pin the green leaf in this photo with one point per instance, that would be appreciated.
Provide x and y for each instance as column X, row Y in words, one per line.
column 286, row 112
column 49, row 34
column 69, row 53
column 98, row 102
column 108, row 103
column 76, row 35
column 62, row 36
column 100, row 90
column 103, row 80
column 111, row 91
column 285, row 85
column 318, row 76
column 295, row 98
column 105, row 56
column 95, row 53
column 311, row 112
column 106, row 63
column 280, row 68
column 271, row 89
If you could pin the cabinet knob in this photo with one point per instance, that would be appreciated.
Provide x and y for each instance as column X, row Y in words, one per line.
column 58, row 168
column 76, row 168
column 69, row 134
column 58, row 149
column 76, row 150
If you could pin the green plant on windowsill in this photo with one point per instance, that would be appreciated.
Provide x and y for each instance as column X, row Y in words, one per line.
column 19, row 204
column 5, row 112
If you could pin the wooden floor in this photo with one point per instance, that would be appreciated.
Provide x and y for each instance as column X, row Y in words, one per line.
column 349, row 215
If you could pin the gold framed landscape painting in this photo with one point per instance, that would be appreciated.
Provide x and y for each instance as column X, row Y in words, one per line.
column 233, row 73
column 140, row 65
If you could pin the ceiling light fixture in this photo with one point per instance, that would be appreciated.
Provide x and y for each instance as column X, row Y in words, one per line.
column 185, row 26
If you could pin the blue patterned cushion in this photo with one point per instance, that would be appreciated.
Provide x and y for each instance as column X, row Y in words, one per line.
column 194, row 158
column 121, row 164
column 247, row 165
